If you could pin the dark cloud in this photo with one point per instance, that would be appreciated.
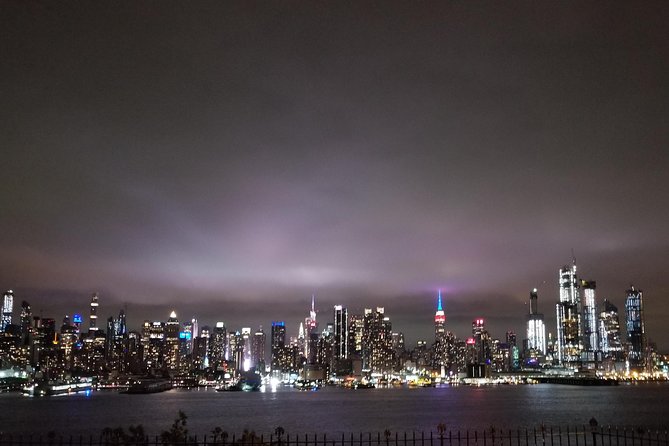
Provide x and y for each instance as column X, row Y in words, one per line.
column 231, row 159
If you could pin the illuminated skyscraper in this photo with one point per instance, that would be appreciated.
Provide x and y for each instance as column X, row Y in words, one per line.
column 258, row 350
column 93, row 318
column 340, row 332
column 377, row 344
column 236, row 349
column 569, row 327
column 355, row 330
column 26, row 318
column 310, row 326
column 609, row 332
column 7, row 308
column 172, row 342
column 439, row 320
column 536, row 330
column 482, row 342
column 247, row 360
column 218, row 345
column 278, row 335
column 301, row 341
column 590, row 337
column 442, row 339
column 636, row 335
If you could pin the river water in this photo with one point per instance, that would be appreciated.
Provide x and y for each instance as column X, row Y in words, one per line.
column 335, row 410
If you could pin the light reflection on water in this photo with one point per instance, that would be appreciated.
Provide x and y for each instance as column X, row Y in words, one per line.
column 336, row 410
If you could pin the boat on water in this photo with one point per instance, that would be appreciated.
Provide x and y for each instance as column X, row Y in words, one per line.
column 148, row 385
column 362, row 385
column 58, row 387
column 306, row 384
column 247, row 382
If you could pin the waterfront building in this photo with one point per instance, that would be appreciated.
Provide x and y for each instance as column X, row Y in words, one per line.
column 7, row 309
column 636, row 335
column 590, row 332
column 93, row 316
column 536, row 329
column 569, row 325
column 340, row 340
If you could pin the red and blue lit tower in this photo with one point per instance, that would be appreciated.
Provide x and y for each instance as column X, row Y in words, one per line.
column 439, row 320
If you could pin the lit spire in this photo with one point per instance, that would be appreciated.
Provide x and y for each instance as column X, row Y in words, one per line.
column 312, row 313
column 439, row 316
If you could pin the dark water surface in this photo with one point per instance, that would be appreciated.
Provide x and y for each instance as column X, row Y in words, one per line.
column 335, row 410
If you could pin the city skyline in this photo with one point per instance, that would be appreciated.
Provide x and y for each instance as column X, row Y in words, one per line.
column 236, row 158
column 297, row 325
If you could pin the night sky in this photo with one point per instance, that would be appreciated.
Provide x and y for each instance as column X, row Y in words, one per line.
column 229, row 159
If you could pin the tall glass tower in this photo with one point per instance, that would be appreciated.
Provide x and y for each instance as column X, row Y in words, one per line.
column 93, row 321
column 7, row 308
column 609, row 332
column 569, row 326
column 536, row 330
column 590, row 335
column 340, row 332
column 636, row 334
column 439, row 320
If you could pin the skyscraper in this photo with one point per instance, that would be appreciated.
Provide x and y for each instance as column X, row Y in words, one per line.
column 440, row 348
column 590, row 337
column 439, row 319
column 7, row 308
column 355, row 331
column 172, row 342
column 569, row 328
column 218, row 345
column 258, row 350
column 247, row 361
column 482, row 342
column 536, row 330
column 93, row 318
column 609, row 333
column 377, row 347
column 310, row 325
column 636, row 335
column 340, row 332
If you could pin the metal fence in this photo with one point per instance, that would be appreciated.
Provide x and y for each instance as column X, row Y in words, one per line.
column 541, row 436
